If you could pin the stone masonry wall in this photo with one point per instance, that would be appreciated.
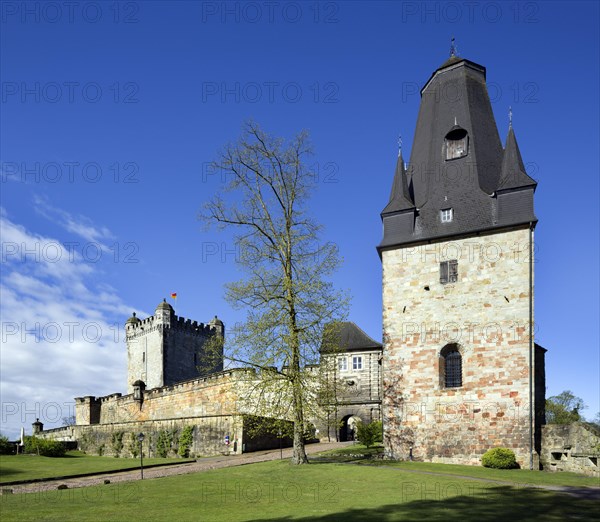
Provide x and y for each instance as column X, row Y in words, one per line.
column 145, row 353
column 203, row 397
column 362, row 398
column 164, row 349
column 571, row 447
column 184, row 351
column 486, row 312
column 208, row 436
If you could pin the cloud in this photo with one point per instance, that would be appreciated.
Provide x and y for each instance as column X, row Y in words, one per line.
column 80, row 226
column 62, row 327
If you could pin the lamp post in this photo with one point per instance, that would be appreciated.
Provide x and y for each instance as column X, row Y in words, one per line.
column 140, row 439
column 280, row 445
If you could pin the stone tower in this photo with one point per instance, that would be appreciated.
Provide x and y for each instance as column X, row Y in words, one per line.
column 164, row 349
column 461, row 372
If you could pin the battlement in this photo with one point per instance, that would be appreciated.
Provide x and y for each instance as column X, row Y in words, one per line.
column 176, row 323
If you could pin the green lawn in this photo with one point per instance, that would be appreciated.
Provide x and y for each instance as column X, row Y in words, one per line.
column 518, row 476
column 27, row 467
column 319, row 492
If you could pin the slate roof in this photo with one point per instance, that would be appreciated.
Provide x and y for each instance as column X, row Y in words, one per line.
column 349, row 338
column 513, row 173
column 456, row 98
column 400, row 198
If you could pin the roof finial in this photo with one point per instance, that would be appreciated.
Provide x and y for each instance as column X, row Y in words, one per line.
column 399, row 144
column 453, row 48
column 510, row 117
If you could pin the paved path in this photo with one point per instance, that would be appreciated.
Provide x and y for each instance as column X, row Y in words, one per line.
column 192, row 467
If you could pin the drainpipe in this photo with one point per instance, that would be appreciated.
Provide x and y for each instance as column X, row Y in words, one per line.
column 530, row 345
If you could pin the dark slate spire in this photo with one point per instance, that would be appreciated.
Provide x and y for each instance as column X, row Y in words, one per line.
column 400, row 196
column 513, row 173
column 461, row 179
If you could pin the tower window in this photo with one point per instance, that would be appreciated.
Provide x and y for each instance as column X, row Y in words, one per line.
column 451, row 366
column 446, row 215
column 456, row 143
column 357, row 363
column 449, row 271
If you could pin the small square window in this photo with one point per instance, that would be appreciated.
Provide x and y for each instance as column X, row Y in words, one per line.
column 342, row 364
column 449, row 271
column 357, row 363
column 446, row 215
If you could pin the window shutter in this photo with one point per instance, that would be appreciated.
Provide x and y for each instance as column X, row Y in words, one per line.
column 453, row 271
column 444, row 272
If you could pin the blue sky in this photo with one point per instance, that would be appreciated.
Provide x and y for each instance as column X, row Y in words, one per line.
column 111, row 112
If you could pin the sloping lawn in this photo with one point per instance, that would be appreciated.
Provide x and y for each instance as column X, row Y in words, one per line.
column 518, row 476
column 278, row 491
column 27, row 467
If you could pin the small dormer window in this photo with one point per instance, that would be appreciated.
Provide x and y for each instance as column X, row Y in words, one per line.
column 456, row 143
column 446, row 215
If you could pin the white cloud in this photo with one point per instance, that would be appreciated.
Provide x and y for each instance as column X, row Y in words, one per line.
column 80, row 226
column 62, row 330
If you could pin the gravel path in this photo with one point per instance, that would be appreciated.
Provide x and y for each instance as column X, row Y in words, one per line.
column 192, row 467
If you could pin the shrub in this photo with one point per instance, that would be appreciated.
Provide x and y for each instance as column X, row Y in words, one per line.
column 44, row 447
column 134, row 445
column 117, row 442
column 369, row 434
column 6, row 448
column 185, row 441
column 165, row 442
column 499, row 458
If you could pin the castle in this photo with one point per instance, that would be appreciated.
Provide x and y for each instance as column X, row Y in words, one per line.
column 169, row 389
column 458, row 371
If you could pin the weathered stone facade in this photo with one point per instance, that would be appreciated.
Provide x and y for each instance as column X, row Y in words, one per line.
column 214, row 406
column 356, row 392
column 349, row 381
column 164, row 349
column 485, row 313
column 571, row 447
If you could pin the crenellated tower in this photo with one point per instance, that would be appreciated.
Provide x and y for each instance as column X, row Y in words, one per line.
column 164, row 349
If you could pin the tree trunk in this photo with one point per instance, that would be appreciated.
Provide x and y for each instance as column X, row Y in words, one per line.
column 299, row 453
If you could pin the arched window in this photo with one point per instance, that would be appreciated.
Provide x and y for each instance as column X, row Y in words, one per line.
column 451, row 366
column 456, row 143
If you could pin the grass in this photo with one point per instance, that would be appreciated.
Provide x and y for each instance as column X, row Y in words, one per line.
column 318, row 492
column 516, row 476
column 28, row 467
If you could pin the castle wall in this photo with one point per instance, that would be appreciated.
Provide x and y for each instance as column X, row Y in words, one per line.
column 571, row 447
column 208, row 396
column 184, row 351
column 487, row 314
column 208, row 436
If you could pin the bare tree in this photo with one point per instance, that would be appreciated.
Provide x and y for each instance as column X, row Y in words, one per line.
column 286, row 292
